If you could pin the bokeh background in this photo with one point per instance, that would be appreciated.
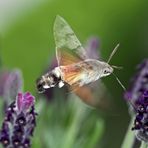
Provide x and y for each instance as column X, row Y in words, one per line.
column 26, row 42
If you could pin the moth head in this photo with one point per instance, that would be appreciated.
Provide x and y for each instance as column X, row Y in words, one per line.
column 106, row 70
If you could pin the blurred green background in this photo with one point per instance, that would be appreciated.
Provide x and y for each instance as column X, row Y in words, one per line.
column 26, row 42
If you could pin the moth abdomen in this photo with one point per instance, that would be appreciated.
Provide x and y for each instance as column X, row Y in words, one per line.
column 50, row 79
column 39, row 85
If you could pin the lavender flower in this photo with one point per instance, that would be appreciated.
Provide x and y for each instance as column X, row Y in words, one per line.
column 4, row 74
column 138, row 94
column 10, row 84
column 91, row 48
column 19, row 123
column 141, row 119
column 139, row 83
column 13, row 84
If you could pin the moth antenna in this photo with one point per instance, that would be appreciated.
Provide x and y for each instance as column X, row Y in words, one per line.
column 119, row 82
column 112, row 53
column 129, row 100
column 117, row 67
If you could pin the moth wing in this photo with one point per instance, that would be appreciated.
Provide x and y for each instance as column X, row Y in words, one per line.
column 66, row 56
column 66, row 42
column 94, row 94
column 72, row 75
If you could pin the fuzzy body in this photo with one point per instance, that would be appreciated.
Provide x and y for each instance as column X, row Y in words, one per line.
column 84, row 72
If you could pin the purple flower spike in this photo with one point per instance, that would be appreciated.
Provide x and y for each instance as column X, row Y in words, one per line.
column 91, row 48
column 139, row 82
column 19, row 122
column 137, row 95
column 3, row 78
column 141, row 119
column 24, row 102
column 11, row 83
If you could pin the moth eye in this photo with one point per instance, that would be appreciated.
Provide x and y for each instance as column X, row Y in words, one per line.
column 106, row 72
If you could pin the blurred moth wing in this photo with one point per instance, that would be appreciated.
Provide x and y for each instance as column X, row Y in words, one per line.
column 95, row 95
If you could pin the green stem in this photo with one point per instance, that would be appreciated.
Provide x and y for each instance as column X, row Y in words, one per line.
column 129, row 137
column 143, row 145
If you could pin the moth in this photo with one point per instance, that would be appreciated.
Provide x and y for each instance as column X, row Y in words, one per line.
column 75, row 68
